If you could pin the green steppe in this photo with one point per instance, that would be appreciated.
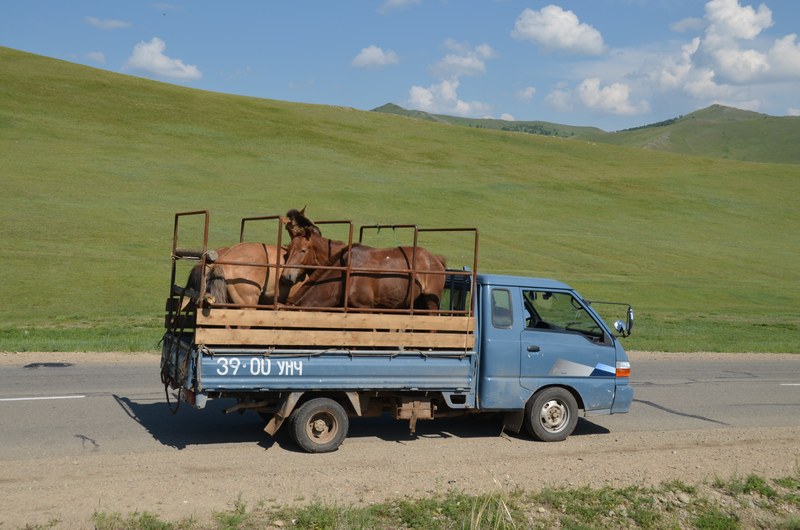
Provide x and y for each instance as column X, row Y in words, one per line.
column 95, row 165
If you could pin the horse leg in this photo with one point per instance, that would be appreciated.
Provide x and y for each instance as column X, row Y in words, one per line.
column 243, row 294
column 430, row 293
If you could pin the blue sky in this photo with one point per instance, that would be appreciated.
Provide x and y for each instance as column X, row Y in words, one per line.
column 608, row 63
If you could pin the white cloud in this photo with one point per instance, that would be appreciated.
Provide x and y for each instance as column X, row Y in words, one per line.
column 700, row 84
column 442, row 98
column 793, row 111
column 784, row 59
column 507, row 117
column 675, row 69
column 688, row 24
column 729, row 20
column 462, row 60
column 739, row 66
column 107, row 23
column 149, row 57
column 733, row 61
column 526, row 94
column 612, row 99
column 96, row 57
column 555, row 29
column 457, row 65
column 591, row 95
column 374, row 57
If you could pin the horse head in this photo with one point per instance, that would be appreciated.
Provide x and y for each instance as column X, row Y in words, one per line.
column 300, row 251
column 297, row 224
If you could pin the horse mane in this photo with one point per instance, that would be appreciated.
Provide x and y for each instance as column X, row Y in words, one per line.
column 300, row 224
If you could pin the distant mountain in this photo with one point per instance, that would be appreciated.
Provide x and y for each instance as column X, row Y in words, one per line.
column 532, row 127
column 715, row 132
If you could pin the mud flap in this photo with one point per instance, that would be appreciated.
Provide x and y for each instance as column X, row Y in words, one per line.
column 286, row 409
column 512, row 420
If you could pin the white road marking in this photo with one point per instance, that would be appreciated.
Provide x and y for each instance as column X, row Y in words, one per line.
column 41, row 398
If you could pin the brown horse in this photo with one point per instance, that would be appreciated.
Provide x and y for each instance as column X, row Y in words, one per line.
column 379, row 278
column 240, row 275
column 243, row 274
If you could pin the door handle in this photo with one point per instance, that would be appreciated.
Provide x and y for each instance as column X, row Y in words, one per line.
column 533, row 348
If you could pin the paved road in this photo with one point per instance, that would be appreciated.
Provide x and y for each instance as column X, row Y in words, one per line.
column 52, row 409
column 82, row 436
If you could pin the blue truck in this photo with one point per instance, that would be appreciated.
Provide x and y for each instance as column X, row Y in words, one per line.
column 530, row 350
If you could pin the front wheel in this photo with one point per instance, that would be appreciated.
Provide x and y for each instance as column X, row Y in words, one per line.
column 551, row 415
column 319, row 425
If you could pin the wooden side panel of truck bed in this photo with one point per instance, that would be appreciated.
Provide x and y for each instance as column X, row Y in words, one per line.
column 250, row 327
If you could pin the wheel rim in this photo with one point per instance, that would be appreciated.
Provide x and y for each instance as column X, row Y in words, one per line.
column 554, row 415
column 322, row 427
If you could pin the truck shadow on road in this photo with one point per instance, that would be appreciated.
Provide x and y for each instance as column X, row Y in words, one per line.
column 191, row 427
column 389, row 429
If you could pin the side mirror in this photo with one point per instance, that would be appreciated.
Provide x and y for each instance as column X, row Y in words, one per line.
column 625, row 328
column 630, row 320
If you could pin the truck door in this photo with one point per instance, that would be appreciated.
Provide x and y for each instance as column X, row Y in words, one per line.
column 563, row 344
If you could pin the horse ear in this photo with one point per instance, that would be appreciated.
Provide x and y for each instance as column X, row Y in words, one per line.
column 303, row 211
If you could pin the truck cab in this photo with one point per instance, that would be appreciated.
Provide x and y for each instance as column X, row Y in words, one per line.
column 542, row 345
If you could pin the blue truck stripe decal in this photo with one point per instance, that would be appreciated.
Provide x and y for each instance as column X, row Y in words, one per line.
column 563, row 367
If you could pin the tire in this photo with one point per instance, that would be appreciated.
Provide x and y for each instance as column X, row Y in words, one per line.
column 551, row 414
column 319, row 425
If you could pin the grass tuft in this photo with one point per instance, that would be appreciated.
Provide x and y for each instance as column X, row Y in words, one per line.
column 722, row 504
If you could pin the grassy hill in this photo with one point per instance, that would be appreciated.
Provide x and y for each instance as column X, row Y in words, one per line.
column 721, row 132
column 715, row 132
column 95, row 164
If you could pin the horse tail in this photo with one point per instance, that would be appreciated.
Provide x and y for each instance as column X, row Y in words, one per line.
column 442, row 260
column 192, row 289
column 216, row 287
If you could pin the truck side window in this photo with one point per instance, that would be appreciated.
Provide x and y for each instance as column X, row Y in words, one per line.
column 559, row 312
column 502, row 316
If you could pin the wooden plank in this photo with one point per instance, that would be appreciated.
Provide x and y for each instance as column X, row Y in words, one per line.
column 317, row 319
column 332, row 338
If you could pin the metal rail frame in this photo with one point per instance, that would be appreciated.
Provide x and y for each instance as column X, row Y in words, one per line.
column 202, row 256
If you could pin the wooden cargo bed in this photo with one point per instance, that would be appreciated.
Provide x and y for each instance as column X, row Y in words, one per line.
column 317, row 329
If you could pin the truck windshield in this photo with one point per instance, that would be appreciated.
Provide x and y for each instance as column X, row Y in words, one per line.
column 559, row 312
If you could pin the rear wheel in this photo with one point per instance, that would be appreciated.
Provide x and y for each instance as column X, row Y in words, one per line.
column 319, row 425
column 551, row 415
